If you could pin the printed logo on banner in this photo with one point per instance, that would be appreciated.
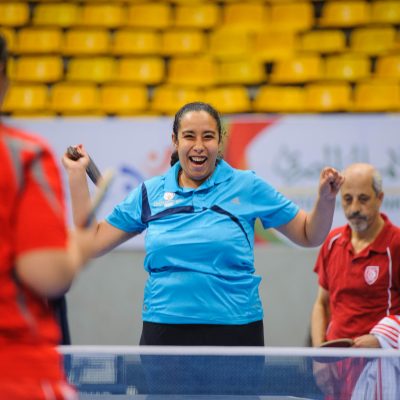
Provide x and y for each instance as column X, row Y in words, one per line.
column 371, row 274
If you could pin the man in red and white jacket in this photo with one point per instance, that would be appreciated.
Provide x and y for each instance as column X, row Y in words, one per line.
column 381, row 376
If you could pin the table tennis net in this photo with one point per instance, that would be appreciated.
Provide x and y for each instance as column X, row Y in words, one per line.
column 232, row 373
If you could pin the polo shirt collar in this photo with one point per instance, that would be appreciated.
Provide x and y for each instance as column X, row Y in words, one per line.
column 222, row 172
column 380, row 243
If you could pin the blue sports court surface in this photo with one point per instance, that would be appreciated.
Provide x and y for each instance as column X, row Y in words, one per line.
column 226, row 373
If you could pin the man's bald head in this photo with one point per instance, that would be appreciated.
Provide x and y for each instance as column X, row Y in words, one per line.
column 362, row 196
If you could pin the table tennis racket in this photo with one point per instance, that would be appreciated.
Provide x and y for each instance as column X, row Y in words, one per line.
column 103, row 185
column 92, row 170
column 338, row 343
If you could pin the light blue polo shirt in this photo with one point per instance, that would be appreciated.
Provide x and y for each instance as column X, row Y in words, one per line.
column 199, row 244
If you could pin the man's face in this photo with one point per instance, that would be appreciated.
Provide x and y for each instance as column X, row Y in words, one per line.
column 360, row 202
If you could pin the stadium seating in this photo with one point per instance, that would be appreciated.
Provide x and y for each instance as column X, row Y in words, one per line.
column 253, row 51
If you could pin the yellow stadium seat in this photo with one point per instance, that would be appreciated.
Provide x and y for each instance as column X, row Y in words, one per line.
column 272, row 45
column 104, row 15
column 347, row 67
column 74, row 99
column 377, row 96
column 328, row 97
column 192, row 71
column 13, row 13
column 39, row 41
column 386, row 12
column 92, row 41
column 298, row 69
column 26, row 98
column 243, row 72
column 279, row 99
column 230, row 44
column 323, row 41
column 136, row 42
column 144, row 70
column 38, row 69
column 91, row 69
column 294, row 16
column 249, row 16
column 10, row 36
column 123, row 99
column 373, row 41
column 197, row 15
column 150, row 15
column 345, row 13
column 229, row 99
column 183, row 42
column 62, row 15
column 388, row 66
column 167, row 99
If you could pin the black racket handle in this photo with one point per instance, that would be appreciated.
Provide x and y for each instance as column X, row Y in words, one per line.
column 92, row 170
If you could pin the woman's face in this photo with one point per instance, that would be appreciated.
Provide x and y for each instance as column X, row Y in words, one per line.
column 197, row 146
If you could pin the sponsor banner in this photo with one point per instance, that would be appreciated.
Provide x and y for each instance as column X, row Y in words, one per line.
column 289, row 151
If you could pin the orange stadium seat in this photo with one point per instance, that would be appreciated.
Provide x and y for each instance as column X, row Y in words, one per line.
column 136, row 42
column 26, row 98
column 299, row 69
column 91, row 69
column 328, row 97
column 105, row 15
column 10, row 36
column 183, row 42
column 81, row 41
column 373, row 41
column 192, row 71
column 74, row 99
column 385, row 12
column 169, row 98
column 39, row 41
column 14, row 13
column 150, row 15
column 323, row 41
column 279, row 99
column 243, row 72
column 44, row 69
column 294, row 16
column 345, row 13
column 123, row 99
column 347, row 67
column 197, row 15
column 229, row 99
column 272, row 45
column 248, row 16
column 228, row 44
column 377, row 96
column 61, row 14
column 388, row 67
column 144, row 70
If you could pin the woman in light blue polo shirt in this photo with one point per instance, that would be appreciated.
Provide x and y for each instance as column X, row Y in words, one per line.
column 199, row 219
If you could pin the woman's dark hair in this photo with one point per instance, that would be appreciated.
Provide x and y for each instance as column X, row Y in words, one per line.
column 3, row 55
column 196, row 106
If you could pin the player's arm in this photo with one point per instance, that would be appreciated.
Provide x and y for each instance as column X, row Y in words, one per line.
column 50, row 271
column 385, row 334
column 107, row 237
column 311, row 229
column 320, row 317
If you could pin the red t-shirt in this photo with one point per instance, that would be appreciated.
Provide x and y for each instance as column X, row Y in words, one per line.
column 363, row 288
column 32, row 217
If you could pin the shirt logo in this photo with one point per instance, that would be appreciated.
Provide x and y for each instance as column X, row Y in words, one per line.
column 235, row 200
column 169, row 196
column 371, row 274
